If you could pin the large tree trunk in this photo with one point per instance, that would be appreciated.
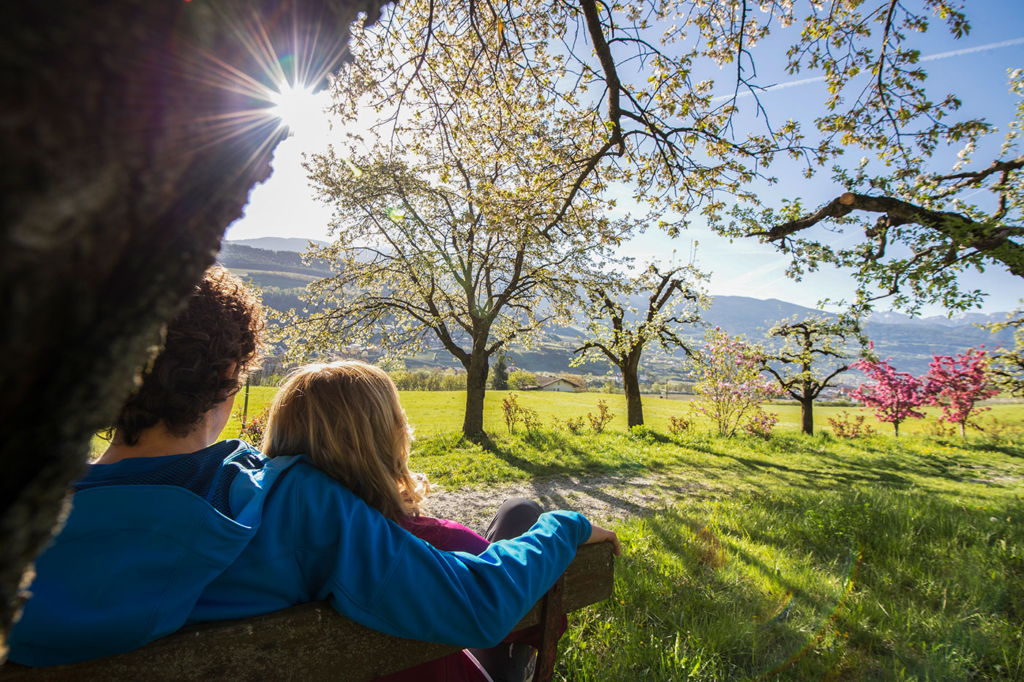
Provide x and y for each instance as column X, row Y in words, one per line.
column 476, row 389
column 118, row 179
column 634, row 405
column 807, row 414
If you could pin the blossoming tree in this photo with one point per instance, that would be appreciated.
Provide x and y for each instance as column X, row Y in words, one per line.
column 730, row 386
column 619, row 331
column 894, row 396
column 957, row 384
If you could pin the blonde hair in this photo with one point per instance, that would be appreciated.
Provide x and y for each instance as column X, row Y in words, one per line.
column 347, row 418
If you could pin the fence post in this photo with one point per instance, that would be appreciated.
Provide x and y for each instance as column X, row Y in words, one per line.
column 245, row 405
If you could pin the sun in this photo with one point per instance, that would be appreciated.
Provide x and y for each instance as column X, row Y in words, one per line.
column 298, row 108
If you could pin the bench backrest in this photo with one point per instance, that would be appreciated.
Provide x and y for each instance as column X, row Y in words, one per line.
column 313, row 642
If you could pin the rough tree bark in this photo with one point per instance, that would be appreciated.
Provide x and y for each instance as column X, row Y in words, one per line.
column 807, row 411
column 115, row 188
column 476, row 390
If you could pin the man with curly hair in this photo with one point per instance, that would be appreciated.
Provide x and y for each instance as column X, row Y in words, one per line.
column 170, row 527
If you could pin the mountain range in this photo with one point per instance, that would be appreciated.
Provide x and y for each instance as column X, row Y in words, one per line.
column 274, row 264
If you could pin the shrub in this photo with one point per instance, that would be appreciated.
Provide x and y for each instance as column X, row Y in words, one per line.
column 511, row 411
column 677, row 426
column 845, row 427
column 572, row 424
column 939, row 429
column 428, row 380
column 601, row 419
column 642, row 433
column 999, row 432
column 453, row 382
column 530, row 418
column 761, row 424
column 252, row 430
column 730, row 386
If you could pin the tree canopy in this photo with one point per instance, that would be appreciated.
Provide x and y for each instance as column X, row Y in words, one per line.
column 635, row 83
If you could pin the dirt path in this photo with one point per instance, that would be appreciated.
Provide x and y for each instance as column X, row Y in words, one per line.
column 601, row 498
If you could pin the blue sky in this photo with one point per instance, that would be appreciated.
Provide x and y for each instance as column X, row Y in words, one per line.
column 974, row 68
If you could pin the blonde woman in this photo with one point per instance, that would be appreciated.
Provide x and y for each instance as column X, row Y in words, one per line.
column 347, row 418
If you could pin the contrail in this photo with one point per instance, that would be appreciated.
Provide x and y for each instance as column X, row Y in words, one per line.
column 929, row 58
column 971, row 50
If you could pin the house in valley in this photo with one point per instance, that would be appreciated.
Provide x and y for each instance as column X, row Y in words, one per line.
column 561, row 384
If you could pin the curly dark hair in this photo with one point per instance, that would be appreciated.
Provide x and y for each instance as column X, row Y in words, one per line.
column 222, row 323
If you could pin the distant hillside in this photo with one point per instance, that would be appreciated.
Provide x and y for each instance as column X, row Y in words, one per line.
column 911, row 343
column 239, row 256
column 278, row 243
column 751, row 316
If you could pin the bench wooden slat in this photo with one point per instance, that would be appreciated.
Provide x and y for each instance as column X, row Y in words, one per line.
column 304, row 643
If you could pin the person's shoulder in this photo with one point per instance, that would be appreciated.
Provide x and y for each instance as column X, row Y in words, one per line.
column 309, row 488
column 300, row 473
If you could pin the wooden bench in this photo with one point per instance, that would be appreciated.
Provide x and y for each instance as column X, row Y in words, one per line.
column 312, row 642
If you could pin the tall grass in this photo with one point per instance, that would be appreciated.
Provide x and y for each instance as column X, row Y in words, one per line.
column 864, row 584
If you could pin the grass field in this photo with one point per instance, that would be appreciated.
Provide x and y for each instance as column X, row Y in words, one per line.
column 793, row 559
column 436, row 412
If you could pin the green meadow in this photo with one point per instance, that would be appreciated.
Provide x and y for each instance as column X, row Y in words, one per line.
column 794, row 558
column 438, row 412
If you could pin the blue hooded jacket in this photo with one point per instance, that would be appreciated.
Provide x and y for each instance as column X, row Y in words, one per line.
column 155, row 543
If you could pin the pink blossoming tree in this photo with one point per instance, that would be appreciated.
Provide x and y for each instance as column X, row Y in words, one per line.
column 729, row 384
column 958, row 384
column 894, row 396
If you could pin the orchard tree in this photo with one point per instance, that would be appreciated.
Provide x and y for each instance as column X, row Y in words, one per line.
column 729, row 388
column 451, row 258
column 957, row 384
column 619, row 330
column 454, row 223
column 917, row 230
column 814, row 351
column 894, row 396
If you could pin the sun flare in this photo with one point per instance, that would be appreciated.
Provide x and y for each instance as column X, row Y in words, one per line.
column 298, row 108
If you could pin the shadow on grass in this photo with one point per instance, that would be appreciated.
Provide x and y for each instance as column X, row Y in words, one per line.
column 548, row 453
column 800, row 477
column 760, row 581
column 756, row 619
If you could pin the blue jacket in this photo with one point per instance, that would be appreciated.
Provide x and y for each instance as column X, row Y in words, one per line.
column 155, row 543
